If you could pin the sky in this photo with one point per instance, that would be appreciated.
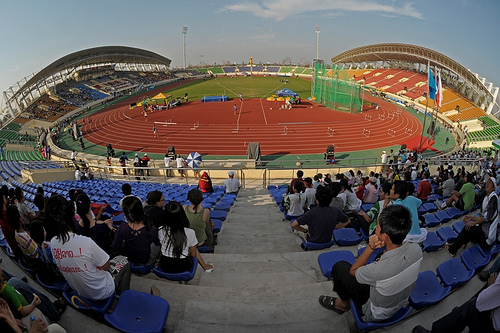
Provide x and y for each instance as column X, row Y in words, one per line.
column 35, row 33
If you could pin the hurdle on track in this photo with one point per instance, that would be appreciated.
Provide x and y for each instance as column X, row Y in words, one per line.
column 368, row 117
column 408, row 131
column 285, row 131
column 391, row 115
column 381, row 116
column 391, row 132
column 366, row 132
column 399, row 111
column 237, row 129
column 330, row 131
column 195, row 125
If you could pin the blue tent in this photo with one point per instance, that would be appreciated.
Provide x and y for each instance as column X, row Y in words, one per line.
column 286, row 93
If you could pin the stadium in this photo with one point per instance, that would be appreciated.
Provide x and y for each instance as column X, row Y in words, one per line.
column 264, row 122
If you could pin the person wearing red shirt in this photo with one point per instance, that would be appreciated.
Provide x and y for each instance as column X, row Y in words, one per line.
column 424, row 188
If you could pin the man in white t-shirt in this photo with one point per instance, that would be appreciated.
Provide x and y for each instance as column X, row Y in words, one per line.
column 232, row 184
column 168, row 160
column 180, row 165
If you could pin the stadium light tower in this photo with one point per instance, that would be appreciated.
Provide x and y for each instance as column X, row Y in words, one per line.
column 317, row 41
column 184, row 32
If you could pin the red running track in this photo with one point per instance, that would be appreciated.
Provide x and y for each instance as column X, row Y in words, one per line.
column 302, row 130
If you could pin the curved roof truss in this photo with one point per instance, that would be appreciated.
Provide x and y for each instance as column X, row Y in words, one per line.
column 416, row 58
column 18, row 97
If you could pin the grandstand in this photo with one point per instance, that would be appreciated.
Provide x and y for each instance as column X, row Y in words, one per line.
column 262, row 278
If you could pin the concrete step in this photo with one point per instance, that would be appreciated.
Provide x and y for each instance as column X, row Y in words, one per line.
column 339, row 324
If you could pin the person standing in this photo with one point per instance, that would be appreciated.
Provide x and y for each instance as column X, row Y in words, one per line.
column 235, row 108
column 168, row 160
column 154, row 131
column 180, row 165
column 123, row 162
column 383, row 159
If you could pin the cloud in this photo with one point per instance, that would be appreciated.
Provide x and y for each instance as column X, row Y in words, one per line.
column 282, row 9
column 262, row 37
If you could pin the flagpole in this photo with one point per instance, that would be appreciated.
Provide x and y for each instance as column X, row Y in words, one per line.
column 425, row 117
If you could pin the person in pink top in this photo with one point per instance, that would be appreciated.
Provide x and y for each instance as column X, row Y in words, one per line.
column 371, row 193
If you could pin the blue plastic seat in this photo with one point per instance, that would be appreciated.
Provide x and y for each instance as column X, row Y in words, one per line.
column 453, row 273
column 491, row 250
column 428, row 290
column 218, row 214
column 458, row 226
column 183, row 276
column 447, row 234
column 374, row 254
column 432, row 242
column 217, row 226
column 326, row 260
column 309, row 246
column 204, row 249
column 364, row 234
column 141, row 269
column 138, row 312
column 428, row 207
column 474, row 259
column 229, row 200
column 455, row 213
column 59, row 285
column 370, row 326
column 443, row 216
column 431, row 220
column 346, row 237
column 224, row 206
column 82, row 303
column 366, row 207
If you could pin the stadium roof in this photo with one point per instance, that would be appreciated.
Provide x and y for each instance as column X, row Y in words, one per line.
column 67, row 65
column 389, row 52
column 100, row 55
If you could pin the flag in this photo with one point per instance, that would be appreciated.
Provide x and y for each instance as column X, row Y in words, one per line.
column 439, row 89
column 431, row 85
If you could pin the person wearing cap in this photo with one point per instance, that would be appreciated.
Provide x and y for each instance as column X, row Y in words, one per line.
column 145, row 160
column 232, row 184
column 383, row 159
column 480, row 229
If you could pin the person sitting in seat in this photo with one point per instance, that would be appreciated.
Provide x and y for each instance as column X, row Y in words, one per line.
column 353, row 204
column 400, row 194
column 87, row 225
column 463, row 200
column 318, row 223
column 178, row 242
column 155, row 202
column 381, row 288
column 137, row 239
column 71, row 252
column 295, row 203
column 199, row 218
column 481, row 229
column 372, row 215
column 371, row 193
column 26, row 301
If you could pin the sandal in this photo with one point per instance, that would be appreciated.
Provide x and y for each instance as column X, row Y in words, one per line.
column 328, row 302
column 60, row 305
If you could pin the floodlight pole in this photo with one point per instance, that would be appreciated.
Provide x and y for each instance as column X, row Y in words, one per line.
column 317, row 41
column 184, row 32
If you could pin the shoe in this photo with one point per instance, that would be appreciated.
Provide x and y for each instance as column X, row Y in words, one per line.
column 60, row 305
column 484, row 275
column 447, row 248
column 155, row 291
column 210, row 269
column 439, row 204
column 419, row 329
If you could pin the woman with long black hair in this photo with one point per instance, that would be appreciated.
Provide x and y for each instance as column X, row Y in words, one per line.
column 88, row 225
column 178, row 242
